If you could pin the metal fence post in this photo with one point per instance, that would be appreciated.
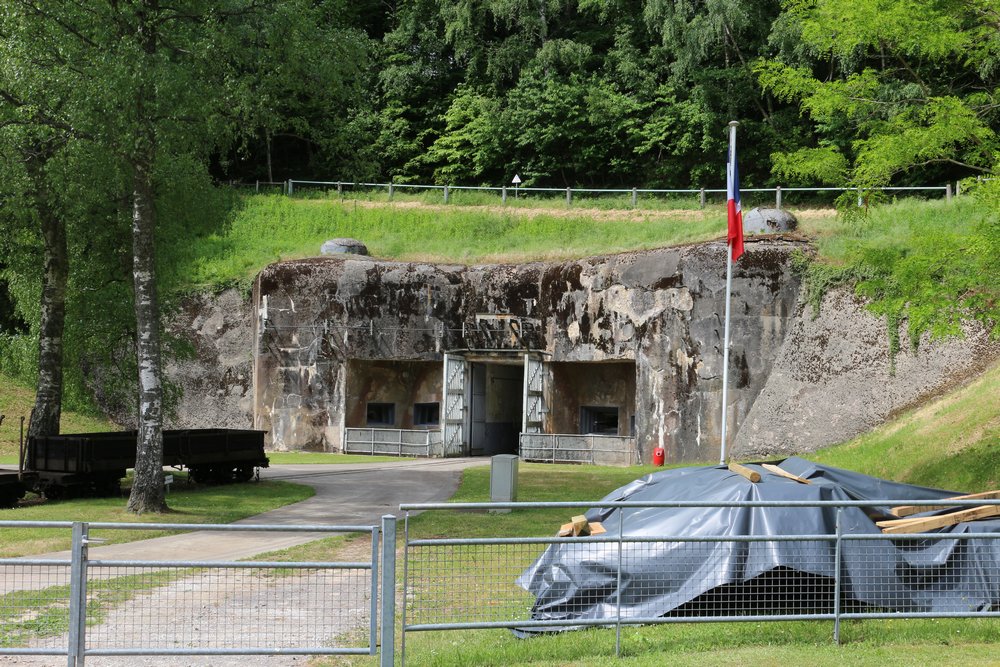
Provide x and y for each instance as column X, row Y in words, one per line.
column 777, row 197
column 836, row 579
column 701, row 198
column 78, row 596
column 618, row 593
column 569, row 197
column 635, row 197
column 387, row 653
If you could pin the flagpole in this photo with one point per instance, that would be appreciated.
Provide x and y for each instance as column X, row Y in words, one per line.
column 729, row 290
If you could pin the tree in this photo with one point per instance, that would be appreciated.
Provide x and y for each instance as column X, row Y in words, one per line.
column 152, row 84
column 895, row 90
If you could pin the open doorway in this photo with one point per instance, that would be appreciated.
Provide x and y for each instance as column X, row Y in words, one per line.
column 496, row 407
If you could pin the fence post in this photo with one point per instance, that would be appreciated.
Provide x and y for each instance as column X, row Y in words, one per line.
column 836, row 579
column 340, row 189
column 635, row 198
column 569, row 197
column 257, row 186
column 290, row 187
column 387, row 652
column 446, row 194
column 618, row 593
column 958, row 188
column 777, row 197
column 390, row 191
column 947, row 192
column 701, row 198
column 78, row 596
column 503, row 196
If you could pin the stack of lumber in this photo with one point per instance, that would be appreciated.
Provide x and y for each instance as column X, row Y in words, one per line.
column 910, row 524
column 578, row 526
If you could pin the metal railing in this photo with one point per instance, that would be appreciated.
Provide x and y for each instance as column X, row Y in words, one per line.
column 633, row 577
column 613, row 450
column 80, row 606
column 393, row 442
column 344, row 188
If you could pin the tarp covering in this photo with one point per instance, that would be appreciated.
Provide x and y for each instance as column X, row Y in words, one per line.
column 573, row 581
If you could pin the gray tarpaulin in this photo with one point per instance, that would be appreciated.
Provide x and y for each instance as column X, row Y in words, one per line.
column 580, row 580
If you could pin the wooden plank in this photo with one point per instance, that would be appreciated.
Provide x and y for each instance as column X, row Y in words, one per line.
column 907, row 510
column 897, row 522
column 778, row 470
column 580, row 527
column 752, row 475
column 944, row 520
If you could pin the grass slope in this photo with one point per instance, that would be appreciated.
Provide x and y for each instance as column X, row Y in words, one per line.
column 16, row 401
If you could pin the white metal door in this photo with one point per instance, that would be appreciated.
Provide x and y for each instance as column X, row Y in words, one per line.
column 453, row 424
column 534, row 387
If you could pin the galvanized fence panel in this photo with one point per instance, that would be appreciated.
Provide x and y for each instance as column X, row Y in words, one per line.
column 393, row 442
column 83, row 606
column 459, row 584
column 612, row 450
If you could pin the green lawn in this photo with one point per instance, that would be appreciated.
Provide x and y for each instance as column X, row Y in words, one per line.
column 188, row 504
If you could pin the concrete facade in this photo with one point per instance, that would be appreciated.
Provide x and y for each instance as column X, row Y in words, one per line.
column 628, row 343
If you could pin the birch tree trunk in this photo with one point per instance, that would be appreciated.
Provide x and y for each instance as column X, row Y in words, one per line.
column 48, row 399
column 147, row 489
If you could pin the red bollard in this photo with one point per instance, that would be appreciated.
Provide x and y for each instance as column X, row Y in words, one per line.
column 658, row 456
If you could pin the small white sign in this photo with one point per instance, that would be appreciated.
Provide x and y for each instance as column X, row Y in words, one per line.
column 516, row 179
column 168, row 479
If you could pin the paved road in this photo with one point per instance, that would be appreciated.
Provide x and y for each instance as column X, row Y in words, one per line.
column 346, row 494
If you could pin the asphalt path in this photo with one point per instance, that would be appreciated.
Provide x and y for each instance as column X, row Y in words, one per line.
column 346, row 495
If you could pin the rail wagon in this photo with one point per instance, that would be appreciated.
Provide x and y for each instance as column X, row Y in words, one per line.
column 94, row 463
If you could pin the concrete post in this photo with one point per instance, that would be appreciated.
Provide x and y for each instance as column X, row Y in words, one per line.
column 777, row 197
column 446, row 194
column 569, row 197
column 390, row 191
column 290, row 187
column 958, row 188
column 701, row 198
column 947, row 192
column 340, row 189
column 387, row 652
column 503, row 196
column 635, row 198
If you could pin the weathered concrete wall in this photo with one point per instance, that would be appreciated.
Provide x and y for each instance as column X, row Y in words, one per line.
column 662, row 309
column 833, row 379
column 403, row 383
column 214, row 369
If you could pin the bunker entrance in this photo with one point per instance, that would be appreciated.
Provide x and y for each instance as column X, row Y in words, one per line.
column 496, row 400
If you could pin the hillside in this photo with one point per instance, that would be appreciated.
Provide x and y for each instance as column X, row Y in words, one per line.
column 16, row 401
column 951, row 442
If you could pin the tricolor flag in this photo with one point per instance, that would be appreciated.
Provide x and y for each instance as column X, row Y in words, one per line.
column 735, row 237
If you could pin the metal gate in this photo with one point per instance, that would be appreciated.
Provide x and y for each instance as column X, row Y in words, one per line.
column 534, row 400
column 453, row 423
column 99, row 606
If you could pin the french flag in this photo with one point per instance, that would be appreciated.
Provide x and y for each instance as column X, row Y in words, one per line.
column 735, row 236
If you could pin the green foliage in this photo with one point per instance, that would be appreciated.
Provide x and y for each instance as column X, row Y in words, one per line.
column 930, row 265
column 894, row 89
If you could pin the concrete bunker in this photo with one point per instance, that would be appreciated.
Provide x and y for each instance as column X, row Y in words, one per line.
column 597, row 360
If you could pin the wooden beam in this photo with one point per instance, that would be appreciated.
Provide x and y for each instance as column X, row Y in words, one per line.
column 752, row 475
column 907, row 510
column 944, row 520
column 778, row 470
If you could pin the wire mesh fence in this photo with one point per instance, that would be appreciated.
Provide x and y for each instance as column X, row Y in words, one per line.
column 630, row 575
column 88, row 606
